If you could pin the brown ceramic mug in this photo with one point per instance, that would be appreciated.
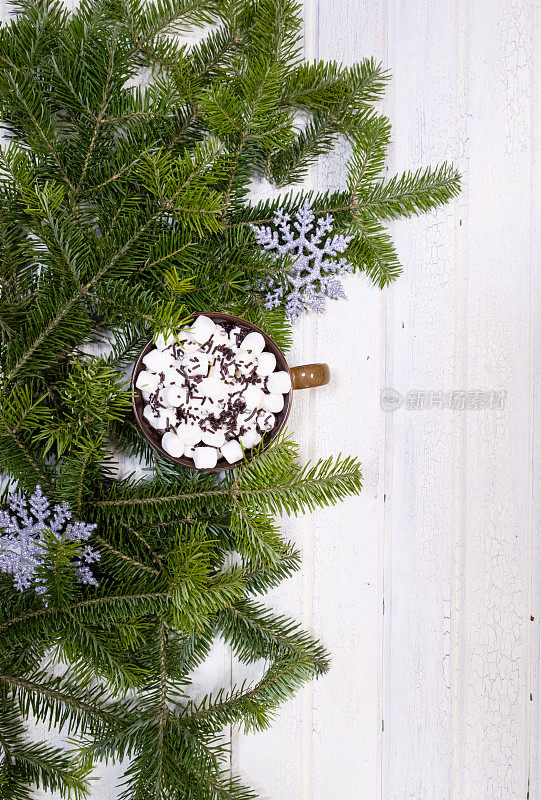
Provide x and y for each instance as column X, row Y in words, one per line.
column 304, row 377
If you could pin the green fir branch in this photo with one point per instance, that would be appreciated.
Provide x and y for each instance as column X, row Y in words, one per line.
column 123, row 211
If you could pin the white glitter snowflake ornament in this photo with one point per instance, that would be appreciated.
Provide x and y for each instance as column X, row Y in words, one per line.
column 23, row 538
column 313, row 251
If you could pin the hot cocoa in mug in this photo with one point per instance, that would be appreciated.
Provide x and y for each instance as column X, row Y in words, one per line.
column 212, row 391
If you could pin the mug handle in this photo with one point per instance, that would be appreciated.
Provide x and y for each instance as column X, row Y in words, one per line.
column 309, row 375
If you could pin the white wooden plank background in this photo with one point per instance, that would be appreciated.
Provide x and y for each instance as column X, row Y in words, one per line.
column 426, row 588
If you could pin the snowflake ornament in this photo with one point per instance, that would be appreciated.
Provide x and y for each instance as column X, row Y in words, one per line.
column 313, row 251
column 23, row 538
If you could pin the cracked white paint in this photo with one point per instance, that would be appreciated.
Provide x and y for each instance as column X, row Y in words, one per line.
column 431, row 700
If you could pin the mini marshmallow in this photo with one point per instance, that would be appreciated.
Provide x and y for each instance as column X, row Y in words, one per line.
column 245, row 363
column 212, row 387
column 157, row 361
column 189, row 433
column 253, row 397
column 273, row 402
column 162, row 342
column 150, row 415
column 279, row 383
column 174, row 395
column 245, row 422
column 250, row 418
column 219, row 339
column 213, row 438
column 231, row 451
column 187, row 343
column 204, row 407
column 250, row 438
column 147, row 381
column 161, row 419
column 260, row 383
column 146, row 396
column 228, row 370
column 191, row 415
column 172, row 444
column 202, row 329
column 224, row 371
column 234, row 390
column 266, row 363
column 266, row 421
column 196, row 364
column 160, row 396
column 171, row 375
column 205, row 457
column 253, row 342
column 189, row 451
column 169, row 415
column 234, row 334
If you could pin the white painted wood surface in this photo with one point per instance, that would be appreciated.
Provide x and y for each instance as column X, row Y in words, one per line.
column 435, row 699
column 426, row 588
